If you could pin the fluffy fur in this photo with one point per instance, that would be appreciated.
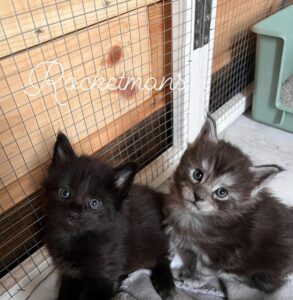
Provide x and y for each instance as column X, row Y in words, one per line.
column 100, row 226
column 248, row 232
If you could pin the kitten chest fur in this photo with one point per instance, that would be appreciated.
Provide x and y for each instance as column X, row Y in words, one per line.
column 239, row 244
column 184, row 230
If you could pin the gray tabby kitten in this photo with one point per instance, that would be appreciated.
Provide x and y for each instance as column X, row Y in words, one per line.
column 221, row 219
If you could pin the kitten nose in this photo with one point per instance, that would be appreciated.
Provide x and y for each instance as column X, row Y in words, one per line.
column 74, row 214
column 74, row 211
column 197, row 198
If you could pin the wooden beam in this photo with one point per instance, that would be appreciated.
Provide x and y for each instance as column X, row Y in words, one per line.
column 28, row 23
column 160, row 24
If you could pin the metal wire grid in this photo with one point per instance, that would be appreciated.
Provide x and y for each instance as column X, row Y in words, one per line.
column 22, row 274
column 232, row 50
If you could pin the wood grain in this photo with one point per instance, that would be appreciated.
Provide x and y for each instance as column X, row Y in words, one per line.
column 233, row 24
column 160, row 23
column 30, row 123
column 156, row 24
column 29, row 23
column 25, row 185
column 91, row 120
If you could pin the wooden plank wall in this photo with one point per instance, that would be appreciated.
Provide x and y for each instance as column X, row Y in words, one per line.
column 29, row 23
column 234, row 46
column 234, row 19
column 134, row 126
column 131, row 43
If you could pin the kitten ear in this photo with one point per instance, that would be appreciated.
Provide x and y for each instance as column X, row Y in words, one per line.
column 208, row 131
column 62, row 150
column 265, row 172
column 124, row 176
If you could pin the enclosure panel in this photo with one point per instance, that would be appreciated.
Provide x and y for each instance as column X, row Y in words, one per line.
column 25, row 185
column 28, row 23
column 233, row 19
column 143, row 130
column 149, row 138
column 159, row 47
column 233, row 53
column 30, row 122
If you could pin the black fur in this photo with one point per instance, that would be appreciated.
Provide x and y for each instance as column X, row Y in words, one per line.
column 95, row 248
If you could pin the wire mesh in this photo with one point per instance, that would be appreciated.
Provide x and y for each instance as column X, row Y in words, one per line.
column 232, row 50
column 81, row 39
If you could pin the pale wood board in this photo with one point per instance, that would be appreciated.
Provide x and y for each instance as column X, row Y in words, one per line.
column 156, row 24
column 233, row 26
column 25, row 185
column 29, row 23
column 160, row 24
column 28, row 124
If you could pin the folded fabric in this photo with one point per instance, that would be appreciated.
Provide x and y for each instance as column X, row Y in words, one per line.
column 138, row 286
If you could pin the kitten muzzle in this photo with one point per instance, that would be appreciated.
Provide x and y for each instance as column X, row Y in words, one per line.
column 74, row 215
column 73, row 218
column 74, row 211
column 197, row 198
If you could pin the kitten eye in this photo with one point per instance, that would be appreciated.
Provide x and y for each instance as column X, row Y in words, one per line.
column 64, row 192
column 94, row 204
column 197, row 175
column 221, row 192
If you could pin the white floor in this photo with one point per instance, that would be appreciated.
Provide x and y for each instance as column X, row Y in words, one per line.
column 264, row 144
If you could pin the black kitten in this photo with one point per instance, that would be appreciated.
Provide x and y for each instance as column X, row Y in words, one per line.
column 100, row 227
column 222, row 220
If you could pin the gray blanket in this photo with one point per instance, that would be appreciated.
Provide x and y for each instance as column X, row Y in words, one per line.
column 139, row 287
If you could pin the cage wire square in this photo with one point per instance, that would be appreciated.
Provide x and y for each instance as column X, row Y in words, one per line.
column 79, row 39
column 232, row 52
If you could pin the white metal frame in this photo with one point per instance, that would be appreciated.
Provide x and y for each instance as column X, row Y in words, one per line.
column 232, row 109
column 239, row 103
column 181, row 10
column 191, row 114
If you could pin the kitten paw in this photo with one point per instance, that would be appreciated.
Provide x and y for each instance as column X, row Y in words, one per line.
column 185, row 273
column 265, row 282
column 165, row 288
column 182, row 273
column 168, row 294
column 162, row 279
